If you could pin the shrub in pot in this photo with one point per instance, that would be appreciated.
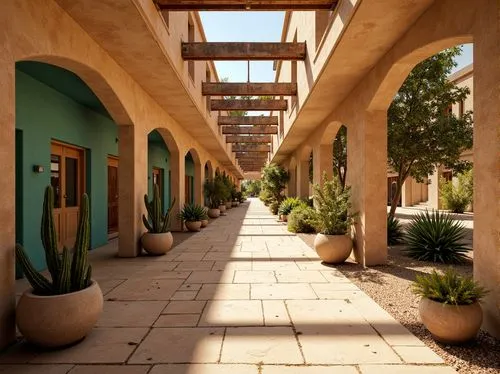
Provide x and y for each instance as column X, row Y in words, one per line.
column 301, row 219
column 63, row 310
column 158, row 240
column 192, row 215
column 436, row 237
column 213, row 190
column 449, row 307
column 333, row 221
column 204, row 221
column 287, row 206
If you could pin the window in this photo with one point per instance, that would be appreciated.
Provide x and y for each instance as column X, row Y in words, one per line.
column 191, row 40
column 322, row 18
column 461, row 105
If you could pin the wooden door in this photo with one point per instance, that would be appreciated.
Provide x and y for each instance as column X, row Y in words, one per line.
column 67, row 170
column 158, row 180
column 112, row 194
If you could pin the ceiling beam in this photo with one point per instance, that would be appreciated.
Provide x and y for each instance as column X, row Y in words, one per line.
column 248, row 89
column 249, row 139
column 251, row 148
column 218, row 5
column 254, row 130
column 252, row 154
column 248, row 120
column 248, row 105
column 231, row 51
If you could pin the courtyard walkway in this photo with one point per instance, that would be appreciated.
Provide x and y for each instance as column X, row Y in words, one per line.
column 244, row 296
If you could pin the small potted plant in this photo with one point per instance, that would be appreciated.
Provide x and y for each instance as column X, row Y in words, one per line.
column 63, row 310
column 204, row 221
column 287, row 206
column 158, row 240
column 333, row 221
column 213, row 192
column 449, row 307
column 192, row 215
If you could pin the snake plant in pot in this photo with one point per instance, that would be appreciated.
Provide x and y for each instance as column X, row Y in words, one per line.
column 192, row 215
column 61, row 310
column 158, row 240
column 333, row 221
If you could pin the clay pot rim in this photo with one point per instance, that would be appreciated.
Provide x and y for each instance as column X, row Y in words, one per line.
column 158, row 233
column 196, row 221
column 29, row 292
column 450, row 305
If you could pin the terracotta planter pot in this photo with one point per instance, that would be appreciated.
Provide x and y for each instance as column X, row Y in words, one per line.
column 451, row 324
column 222, row 208
column 193, row 225
column 204, row 223
column 333, row 249
column 234, row 204
column 59, row 320
column 229, row 204
column 284, row 218
column 214, row 213
column 157, row 244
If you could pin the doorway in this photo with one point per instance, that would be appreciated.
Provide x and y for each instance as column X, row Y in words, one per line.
column 158, row 181
column 112, row 195
column 67, row 171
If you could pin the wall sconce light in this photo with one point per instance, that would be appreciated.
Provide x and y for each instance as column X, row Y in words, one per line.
column 38, row 169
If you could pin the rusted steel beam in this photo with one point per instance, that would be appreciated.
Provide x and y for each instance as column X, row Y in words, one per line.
column 248, row 105
column 231, row 51
column 251, row 148
column 218, row 5
column 248, row 120
column 249, row 139
column 254, row 130
column 248, row 89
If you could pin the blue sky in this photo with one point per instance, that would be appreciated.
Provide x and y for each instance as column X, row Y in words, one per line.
column 259, row 27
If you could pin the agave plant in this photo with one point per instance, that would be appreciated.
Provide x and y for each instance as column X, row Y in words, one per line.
column 395, row 233
column 436, row 237
column 449, row 288
column 193, row 213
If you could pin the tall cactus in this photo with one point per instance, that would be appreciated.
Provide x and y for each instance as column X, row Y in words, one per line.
column 69, row 274
column 156, row 222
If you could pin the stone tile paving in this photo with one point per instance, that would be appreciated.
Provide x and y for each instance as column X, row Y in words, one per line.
column 242, row 296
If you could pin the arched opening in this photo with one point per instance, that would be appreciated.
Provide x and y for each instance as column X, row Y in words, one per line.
column 193, row 179
column 209, row 171
column 65, row 137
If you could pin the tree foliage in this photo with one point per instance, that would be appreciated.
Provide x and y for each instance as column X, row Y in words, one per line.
column 422, row 131
column 274, row 179
column 340, row 155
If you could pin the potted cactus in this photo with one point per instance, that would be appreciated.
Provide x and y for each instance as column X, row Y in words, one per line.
column 158, row 240
column 62, row 310
column 192, row 215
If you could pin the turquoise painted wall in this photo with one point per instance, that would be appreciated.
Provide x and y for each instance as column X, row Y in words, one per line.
column 159, row 157
column 190, row 173
column 44, row 114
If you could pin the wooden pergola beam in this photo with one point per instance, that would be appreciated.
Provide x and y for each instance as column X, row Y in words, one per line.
column 251, row 148
column 248, row 89
column 251, row 130
column 248, row 105
column 252, row 154
column 231, row 51
column 249, row 139
column 218, row 5
column 248, row 120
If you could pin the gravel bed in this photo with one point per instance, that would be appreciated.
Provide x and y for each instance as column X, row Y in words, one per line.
column 390, row 286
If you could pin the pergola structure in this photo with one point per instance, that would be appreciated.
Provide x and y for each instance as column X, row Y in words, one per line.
column 251, row 136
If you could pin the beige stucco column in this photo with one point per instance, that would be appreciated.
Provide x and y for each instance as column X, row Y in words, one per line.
column 433, row 189
column 322, row 162
column 198, row 184
column 487, row 159
column 367, row 175
column 132, row 185
column 177, row 187
column 303, row 179
column 292, row 181
column 7, row 202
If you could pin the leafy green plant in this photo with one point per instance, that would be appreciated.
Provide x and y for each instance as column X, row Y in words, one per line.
column 69, row 273
column 274, row 179
column 395, row 233
column 457, row 197
column 214, row 190
column 193, row 213
column 436, row 237
column 301, row 219
column 157, row 222
column 274, row 207
column 448, row 288
column 288, row 204
column 266, row 197
column 333, row 206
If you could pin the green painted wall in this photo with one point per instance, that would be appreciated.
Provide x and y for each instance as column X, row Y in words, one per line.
column 190, row 173
column 44, row 114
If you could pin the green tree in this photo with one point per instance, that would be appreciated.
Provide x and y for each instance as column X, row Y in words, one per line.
column 252, row 187
column 340, row 156
column 422, row 131
column 274, row 179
